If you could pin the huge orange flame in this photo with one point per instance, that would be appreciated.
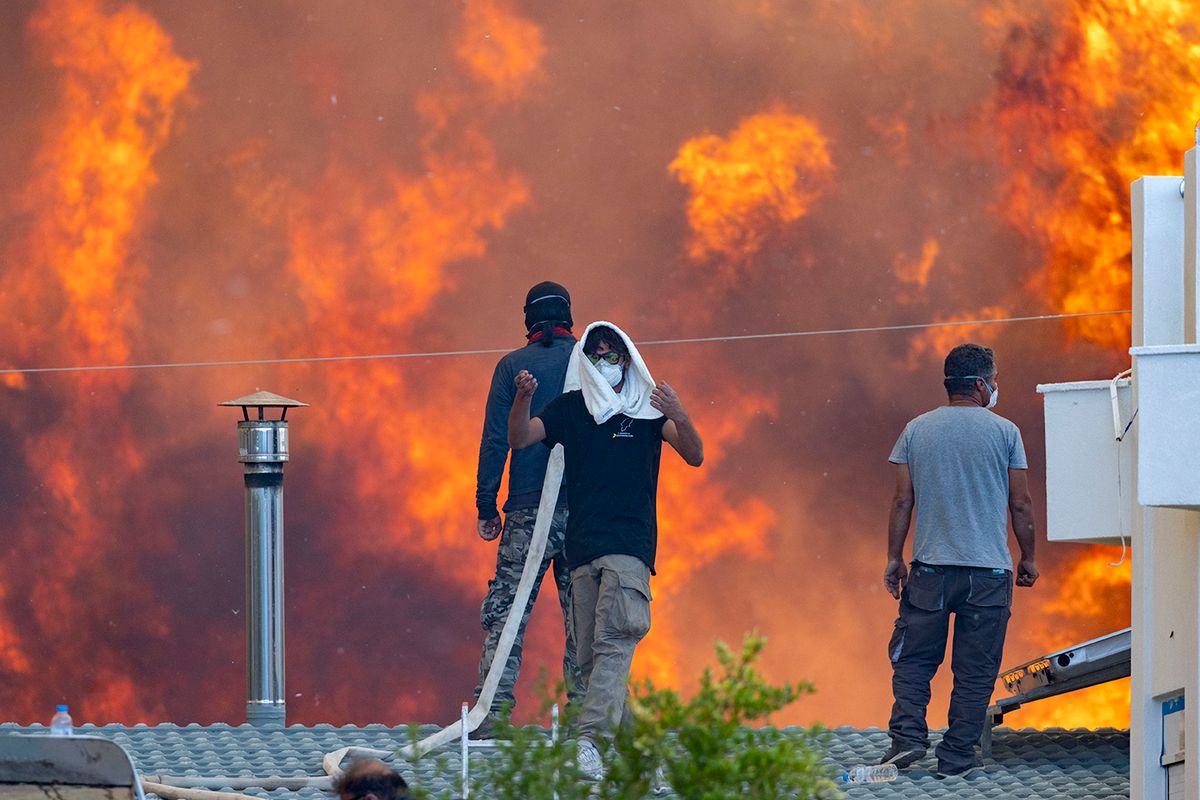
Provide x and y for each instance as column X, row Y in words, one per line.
column 347, row 212
column 385, row 258
column 382, row 255
column 120, row 85
column 388, row 261
column 768, row 172
column 71, row 296
column 1087, row 104
column 1089, row 101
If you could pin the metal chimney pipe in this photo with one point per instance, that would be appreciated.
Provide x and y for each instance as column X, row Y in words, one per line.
column 263, row 450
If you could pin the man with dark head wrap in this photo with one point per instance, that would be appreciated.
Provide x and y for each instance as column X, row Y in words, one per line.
column 547, row 313
column 549, row 342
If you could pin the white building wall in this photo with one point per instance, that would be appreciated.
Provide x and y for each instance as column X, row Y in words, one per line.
column 1165, row 587
column 1173, row 630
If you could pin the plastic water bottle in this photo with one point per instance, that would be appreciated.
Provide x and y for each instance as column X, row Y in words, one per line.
column 60, row 723
column 871, row 773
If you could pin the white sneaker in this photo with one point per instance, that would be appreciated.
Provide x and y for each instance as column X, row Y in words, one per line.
column 660, row 786
column 589, row 761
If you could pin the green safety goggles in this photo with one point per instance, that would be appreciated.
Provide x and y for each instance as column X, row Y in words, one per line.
column 611, row 357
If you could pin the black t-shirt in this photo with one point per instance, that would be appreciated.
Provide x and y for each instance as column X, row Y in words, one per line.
column 611, row 477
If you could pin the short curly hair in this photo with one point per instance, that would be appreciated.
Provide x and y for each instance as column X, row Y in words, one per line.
column 965, row 363
column 369, row 776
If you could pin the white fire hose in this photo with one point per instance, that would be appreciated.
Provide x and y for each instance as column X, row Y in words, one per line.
column 512, row 624
column 193, row 788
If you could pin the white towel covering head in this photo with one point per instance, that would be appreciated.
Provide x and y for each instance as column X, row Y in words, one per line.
column 602, row 402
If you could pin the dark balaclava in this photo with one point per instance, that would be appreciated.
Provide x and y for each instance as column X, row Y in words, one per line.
column 547, row 306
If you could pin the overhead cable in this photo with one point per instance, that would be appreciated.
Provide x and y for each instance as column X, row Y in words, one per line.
column 492, row 351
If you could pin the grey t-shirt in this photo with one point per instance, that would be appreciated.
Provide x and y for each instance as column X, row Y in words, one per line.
column 959, row 457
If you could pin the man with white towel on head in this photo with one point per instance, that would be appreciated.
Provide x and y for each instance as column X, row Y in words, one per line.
column 611, row 421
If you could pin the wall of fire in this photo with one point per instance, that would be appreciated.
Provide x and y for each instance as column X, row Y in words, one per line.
column 295, row 179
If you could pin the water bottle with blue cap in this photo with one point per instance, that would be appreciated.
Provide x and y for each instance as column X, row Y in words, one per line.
column 60, row 723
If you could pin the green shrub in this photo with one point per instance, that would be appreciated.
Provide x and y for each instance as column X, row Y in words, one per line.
column 710, row 747
column 714, row 745
column 529, row 765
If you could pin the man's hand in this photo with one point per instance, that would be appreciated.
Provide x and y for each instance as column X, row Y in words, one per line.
column 895, row 576
column 526, row 385
column 664, row 399
column 678, row 430
column 489, row 529
column 523, row 431
column 1027, row 572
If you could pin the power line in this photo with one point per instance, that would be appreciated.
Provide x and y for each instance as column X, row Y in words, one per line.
column 881, row 328
column 492, row 351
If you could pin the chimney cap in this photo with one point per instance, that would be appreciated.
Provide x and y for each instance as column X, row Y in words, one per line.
column 262, row 399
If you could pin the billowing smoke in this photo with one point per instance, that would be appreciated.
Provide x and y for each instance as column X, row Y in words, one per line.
column 284, row 179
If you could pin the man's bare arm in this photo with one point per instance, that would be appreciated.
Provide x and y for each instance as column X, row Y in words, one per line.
column 895, row 575
column 683, row 436
column 1020, row 508
column 523, row 431
column 678, row 430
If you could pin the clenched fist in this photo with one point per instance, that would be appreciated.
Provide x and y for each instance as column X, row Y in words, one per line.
column 526, row 384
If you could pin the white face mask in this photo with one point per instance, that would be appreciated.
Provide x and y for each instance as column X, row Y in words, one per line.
column 995, row 397
column 610, row 372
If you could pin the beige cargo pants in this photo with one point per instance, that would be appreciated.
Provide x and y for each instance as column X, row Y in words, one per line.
column 610, row 613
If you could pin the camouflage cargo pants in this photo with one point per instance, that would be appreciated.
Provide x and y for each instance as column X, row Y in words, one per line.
column 510, row 561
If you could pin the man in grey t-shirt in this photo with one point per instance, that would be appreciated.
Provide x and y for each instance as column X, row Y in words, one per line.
column 963, row 468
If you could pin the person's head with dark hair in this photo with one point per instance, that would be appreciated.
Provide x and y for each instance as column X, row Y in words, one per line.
column 605, row 334
column 370, row 779
column 609, row 354
column 970, row 375
column 547, row 312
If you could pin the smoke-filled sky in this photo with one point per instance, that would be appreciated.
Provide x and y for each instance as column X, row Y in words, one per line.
column 237, row 180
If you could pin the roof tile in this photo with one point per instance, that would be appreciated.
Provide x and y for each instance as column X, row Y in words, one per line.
column 1053, row 764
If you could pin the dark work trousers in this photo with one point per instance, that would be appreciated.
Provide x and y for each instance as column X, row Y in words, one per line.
column 980, row 600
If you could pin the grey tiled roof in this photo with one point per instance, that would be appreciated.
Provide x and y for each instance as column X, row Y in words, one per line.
column 1044, row 764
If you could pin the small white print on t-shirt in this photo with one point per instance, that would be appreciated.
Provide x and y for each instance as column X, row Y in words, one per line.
column 623, row 431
